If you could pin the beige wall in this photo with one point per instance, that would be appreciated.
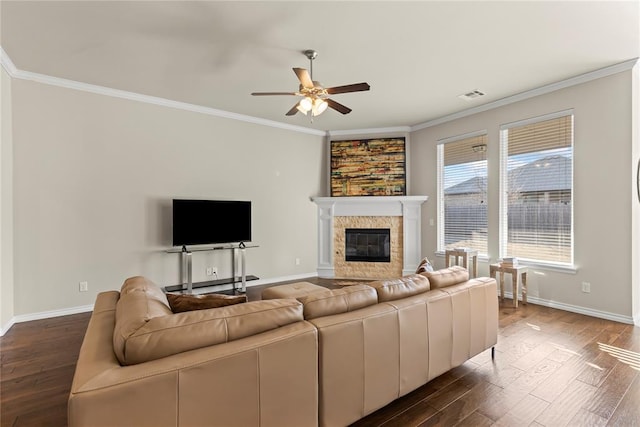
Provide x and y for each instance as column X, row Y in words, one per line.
column 95, row 175
column 602, row 182
column 6, row 202
column 635, row 196
column 92, row 178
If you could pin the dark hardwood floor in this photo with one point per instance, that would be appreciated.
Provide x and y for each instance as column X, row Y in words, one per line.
column 552, row 368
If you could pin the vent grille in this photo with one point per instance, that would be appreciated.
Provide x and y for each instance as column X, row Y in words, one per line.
column 470, row 96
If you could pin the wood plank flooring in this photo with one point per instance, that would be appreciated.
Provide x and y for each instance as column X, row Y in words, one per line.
column 552, row 368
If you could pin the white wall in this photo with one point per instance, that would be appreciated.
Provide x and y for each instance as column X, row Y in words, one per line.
column 94, row 177
column 602, row 202
column 6, row 203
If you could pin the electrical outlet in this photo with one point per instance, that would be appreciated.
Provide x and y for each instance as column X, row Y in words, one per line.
column 431, row 222
column 212, row 271
column 586, row 287
column 297, row 261
column 83, row 286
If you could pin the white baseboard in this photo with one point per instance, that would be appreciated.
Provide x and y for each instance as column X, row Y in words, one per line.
column 282, row 279
column 5, row 328
column 534, row 300
column 85, row 308
column 576, row 309
column 45, row 315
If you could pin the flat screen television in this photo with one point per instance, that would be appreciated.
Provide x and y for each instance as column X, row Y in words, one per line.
column 202, row 222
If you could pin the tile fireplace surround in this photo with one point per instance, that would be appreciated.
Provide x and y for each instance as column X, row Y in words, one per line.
column 407, row 208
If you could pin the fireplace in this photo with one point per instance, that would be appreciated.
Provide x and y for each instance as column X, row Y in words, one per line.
column 400, row 214
column 367, row 244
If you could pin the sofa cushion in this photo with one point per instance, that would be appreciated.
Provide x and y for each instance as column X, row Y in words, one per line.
column 166, row 335
column 291, row 290
column 424, row 266
column 393, row 289
column 140, row 301
column 338, row 301
column 447, row 276
column 180, row 303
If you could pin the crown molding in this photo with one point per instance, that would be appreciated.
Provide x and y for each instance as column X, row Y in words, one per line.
column 552, row 87
column 7, row 63
column 353, row 132
column 16, row 73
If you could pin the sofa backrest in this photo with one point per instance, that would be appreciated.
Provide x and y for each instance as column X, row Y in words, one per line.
column 446, row 276
column 146, row 329
column 393, row 289
column 338, row 301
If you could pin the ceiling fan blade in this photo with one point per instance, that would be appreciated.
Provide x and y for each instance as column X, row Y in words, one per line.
column 273, row 93
column 304, row 77
column 356, row 87
column 337, row 106
column 293, row 111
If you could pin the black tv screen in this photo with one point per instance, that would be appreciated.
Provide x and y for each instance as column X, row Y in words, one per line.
column 201, row 222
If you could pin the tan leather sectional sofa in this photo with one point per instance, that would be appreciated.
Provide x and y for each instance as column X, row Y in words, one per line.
column 329, row 359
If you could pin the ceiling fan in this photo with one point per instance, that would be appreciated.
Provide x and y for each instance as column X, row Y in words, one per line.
column 315, row 97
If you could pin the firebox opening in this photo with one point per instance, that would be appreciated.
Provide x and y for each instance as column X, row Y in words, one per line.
column 368, row 244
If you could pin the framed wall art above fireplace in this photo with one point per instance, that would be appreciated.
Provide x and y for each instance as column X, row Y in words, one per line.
column 369, row 167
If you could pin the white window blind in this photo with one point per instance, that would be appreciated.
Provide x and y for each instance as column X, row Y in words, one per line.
column 537, row 189
column 462, row 194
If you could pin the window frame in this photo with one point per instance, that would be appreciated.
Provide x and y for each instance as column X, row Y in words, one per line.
column 504, row 199
column 440, row 246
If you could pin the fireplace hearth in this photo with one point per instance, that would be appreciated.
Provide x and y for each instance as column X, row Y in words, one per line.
column 367, row 244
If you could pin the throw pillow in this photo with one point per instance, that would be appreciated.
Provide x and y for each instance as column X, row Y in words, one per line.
column 180, row 303
column 424, row 266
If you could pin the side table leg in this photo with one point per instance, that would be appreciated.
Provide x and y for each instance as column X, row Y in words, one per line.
column 502, row 286
column 475, row 266
column 514, row 278
column 492, row 274
column 524, row 287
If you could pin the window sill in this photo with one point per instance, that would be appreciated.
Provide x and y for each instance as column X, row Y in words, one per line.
column 567, row 269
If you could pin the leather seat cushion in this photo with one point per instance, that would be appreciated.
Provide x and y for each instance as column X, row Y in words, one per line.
column 447, row 276
column 338, row 301
column 146, row 329
column 390, row 290
column 292, row 290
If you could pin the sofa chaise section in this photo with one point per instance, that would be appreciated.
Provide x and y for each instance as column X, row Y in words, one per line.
column 264, row 377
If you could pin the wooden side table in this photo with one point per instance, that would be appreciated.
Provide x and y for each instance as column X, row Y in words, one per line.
column 468, row 258
column 515, row 273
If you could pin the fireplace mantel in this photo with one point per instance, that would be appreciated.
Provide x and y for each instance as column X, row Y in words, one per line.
column 408, row 207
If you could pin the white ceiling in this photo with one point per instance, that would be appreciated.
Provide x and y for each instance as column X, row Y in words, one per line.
column 417, row 56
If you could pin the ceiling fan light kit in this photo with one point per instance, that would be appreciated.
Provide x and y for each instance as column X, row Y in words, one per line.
column 315, row 97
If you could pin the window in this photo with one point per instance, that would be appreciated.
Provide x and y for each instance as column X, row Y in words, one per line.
column 537, row 189
column 462, row 193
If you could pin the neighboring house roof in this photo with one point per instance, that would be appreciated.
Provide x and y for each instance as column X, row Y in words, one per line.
column 552, row 173
column 474, row 185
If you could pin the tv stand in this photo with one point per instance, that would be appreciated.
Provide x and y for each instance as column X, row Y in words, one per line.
column 187, row 284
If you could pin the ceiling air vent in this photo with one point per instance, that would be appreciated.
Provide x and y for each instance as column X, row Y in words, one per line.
column 470, row 96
